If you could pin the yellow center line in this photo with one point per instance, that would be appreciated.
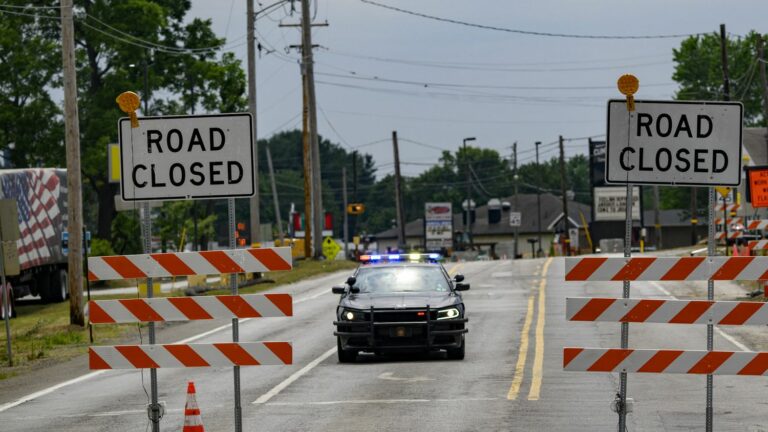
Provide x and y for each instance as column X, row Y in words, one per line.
column 538, row 360
column 455, row 269
column 517, row 379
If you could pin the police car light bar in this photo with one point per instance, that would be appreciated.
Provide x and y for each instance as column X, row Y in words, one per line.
column 399, row 257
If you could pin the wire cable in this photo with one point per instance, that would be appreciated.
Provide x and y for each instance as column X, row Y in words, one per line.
column 528, row 32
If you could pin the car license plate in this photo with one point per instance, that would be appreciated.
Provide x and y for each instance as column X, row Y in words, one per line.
column 400, row 332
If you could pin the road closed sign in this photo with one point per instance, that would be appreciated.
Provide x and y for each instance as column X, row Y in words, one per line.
column 186, row 157
column 674, row 143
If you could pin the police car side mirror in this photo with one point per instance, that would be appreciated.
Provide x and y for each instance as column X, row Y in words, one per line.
column 339, row 289
column 351, row 280
column 462, row 287
column 458, row 277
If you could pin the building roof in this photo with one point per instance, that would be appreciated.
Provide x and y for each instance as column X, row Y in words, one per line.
column 551, row 211
column 754, row 143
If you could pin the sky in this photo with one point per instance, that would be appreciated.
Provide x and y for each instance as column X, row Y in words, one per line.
column 489, row 83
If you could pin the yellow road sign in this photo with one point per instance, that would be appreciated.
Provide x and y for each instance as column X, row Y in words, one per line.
column 723, row 190
column 113, row 163
column 330, row 248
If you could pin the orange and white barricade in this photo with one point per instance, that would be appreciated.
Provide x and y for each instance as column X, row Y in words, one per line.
column 666, row 268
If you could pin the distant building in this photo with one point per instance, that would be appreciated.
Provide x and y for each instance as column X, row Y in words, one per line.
column 498, row 237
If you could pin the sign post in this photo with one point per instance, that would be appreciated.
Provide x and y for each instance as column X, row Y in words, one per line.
column 438, row 225
column 186, row 158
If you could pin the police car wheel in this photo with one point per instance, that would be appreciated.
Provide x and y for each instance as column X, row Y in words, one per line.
column 457, row 353
column 345, row 356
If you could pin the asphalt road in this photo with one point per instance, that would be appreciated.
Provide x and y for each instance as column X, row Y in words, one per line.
column 511, row 379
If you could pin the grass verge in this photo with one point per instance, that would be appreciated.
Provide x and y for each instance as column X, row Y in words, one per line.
column 41, row 333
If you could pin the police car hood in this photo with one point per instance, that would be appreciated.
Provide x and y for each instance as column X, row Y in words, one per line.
column 401, row 300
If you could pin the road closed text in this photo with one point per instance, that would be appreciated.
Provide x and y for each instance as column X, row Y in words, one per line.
column 208, row 169
column 674, row 143
column 187, row 157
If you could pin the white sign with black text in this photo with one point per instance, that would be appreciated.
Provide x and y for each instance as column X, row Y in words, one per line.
column 674, row 143
column 611, row 203
column 515, row 219
column 187, row 157
column 438, row 225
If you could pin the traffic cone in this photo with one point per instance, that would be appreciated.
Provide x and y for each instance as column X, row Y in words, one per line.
column 192, row 420
column 735, row 250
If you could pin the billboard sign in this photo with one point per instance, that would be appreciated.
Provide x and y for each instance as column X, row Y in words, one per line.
column 611, row 203
column 438, row 225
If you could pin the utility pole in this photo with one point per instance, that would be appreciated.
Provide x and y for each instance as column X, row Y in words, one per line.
column 517, row 200
column 468, row 220
column 538, row 198
column 255, row 219
column 567, row 242
column 763, row 79
column 724, row 61
column 307, row 67
column 398, row 196
column 74, row 185
column 346, row 215
column 307, row 172
column 274, row 196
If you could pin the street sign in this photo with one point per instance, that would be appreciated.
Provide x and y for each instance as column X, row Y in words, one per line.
column 355, row 209
column 515, row 219
column 674, row 142
column 724, row 191
column 187, row 157
column 757, row 186
column 330, row 248
column 9, row 220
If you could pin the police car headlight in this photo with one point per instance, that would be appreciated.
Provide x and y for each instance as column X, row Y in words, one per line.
column 447, row 314
column 351, row 315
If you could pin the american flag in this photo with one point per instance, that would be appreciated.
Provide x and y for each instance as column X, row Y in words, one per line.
column 37, row 193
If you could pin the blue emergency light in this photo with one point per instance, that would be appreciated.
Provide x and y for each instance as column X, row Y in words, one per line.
column 412, row 257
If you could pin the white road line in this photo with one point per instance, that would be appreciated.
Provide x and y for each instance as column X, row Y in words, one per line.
column 291, row 379
column 719, row 331
column 380, row 401
column 49, row 390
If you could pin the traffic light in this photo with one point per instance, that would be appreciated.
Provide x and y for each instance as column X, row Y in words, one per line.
column 355, row 209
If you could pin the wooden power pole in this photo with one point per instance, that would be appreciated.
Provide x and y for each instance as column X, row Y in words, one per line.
column 74, row 184
column 399, row 211
column 255, row 218
column 763, row 80
column 308, row 71
column 345, row 233
column 517, row 199
column 307, row 156
column 274, row 195
column 566, row 243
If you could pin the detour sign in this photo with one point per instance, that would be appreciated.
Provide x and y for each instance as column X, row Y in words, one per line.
column 757, row 180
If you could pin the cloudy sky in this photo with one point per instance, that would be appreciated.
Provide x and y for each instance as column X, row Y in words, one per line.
column 435, row 83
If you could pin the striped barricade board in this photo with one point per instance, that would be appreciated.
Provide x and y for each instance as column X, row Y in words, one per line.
column 190, row 355
column 730, row 235
column 727, row 207
column 757, row 224
column 665, row 361
column 190, row 308
column 730, row 221
column 189, row 263
column 749, row 268
column 758, row 244
column 666, row 311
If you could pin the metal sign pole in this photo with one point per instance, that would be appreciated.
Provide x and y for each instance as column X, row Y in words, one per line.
column 622, row 405
column 711, row 296
column 235, row 329
column 6, row 303
column 154, row 406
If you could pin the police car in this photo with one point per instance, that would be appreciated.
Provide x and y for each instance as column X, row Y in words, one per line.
column 400, row 302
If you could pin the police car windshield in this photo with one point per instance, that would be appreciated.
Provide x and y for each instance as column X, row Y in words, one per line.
column 395, row 279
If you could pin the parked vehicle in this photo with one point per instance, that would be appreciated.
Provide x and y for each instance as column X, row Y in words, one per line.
column 41, row 200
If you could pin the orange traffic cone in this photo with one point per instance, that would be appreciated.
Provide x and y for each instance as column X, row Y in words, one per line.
column 192, row 420
column 735, row 250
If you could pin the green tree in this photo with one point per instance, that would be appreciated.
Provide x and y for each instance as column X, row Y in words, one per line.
column 698, row 70
column 30, row 122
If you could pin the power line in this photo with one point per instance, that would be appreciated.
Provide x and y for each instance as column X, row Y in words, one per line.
column 527, row 32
